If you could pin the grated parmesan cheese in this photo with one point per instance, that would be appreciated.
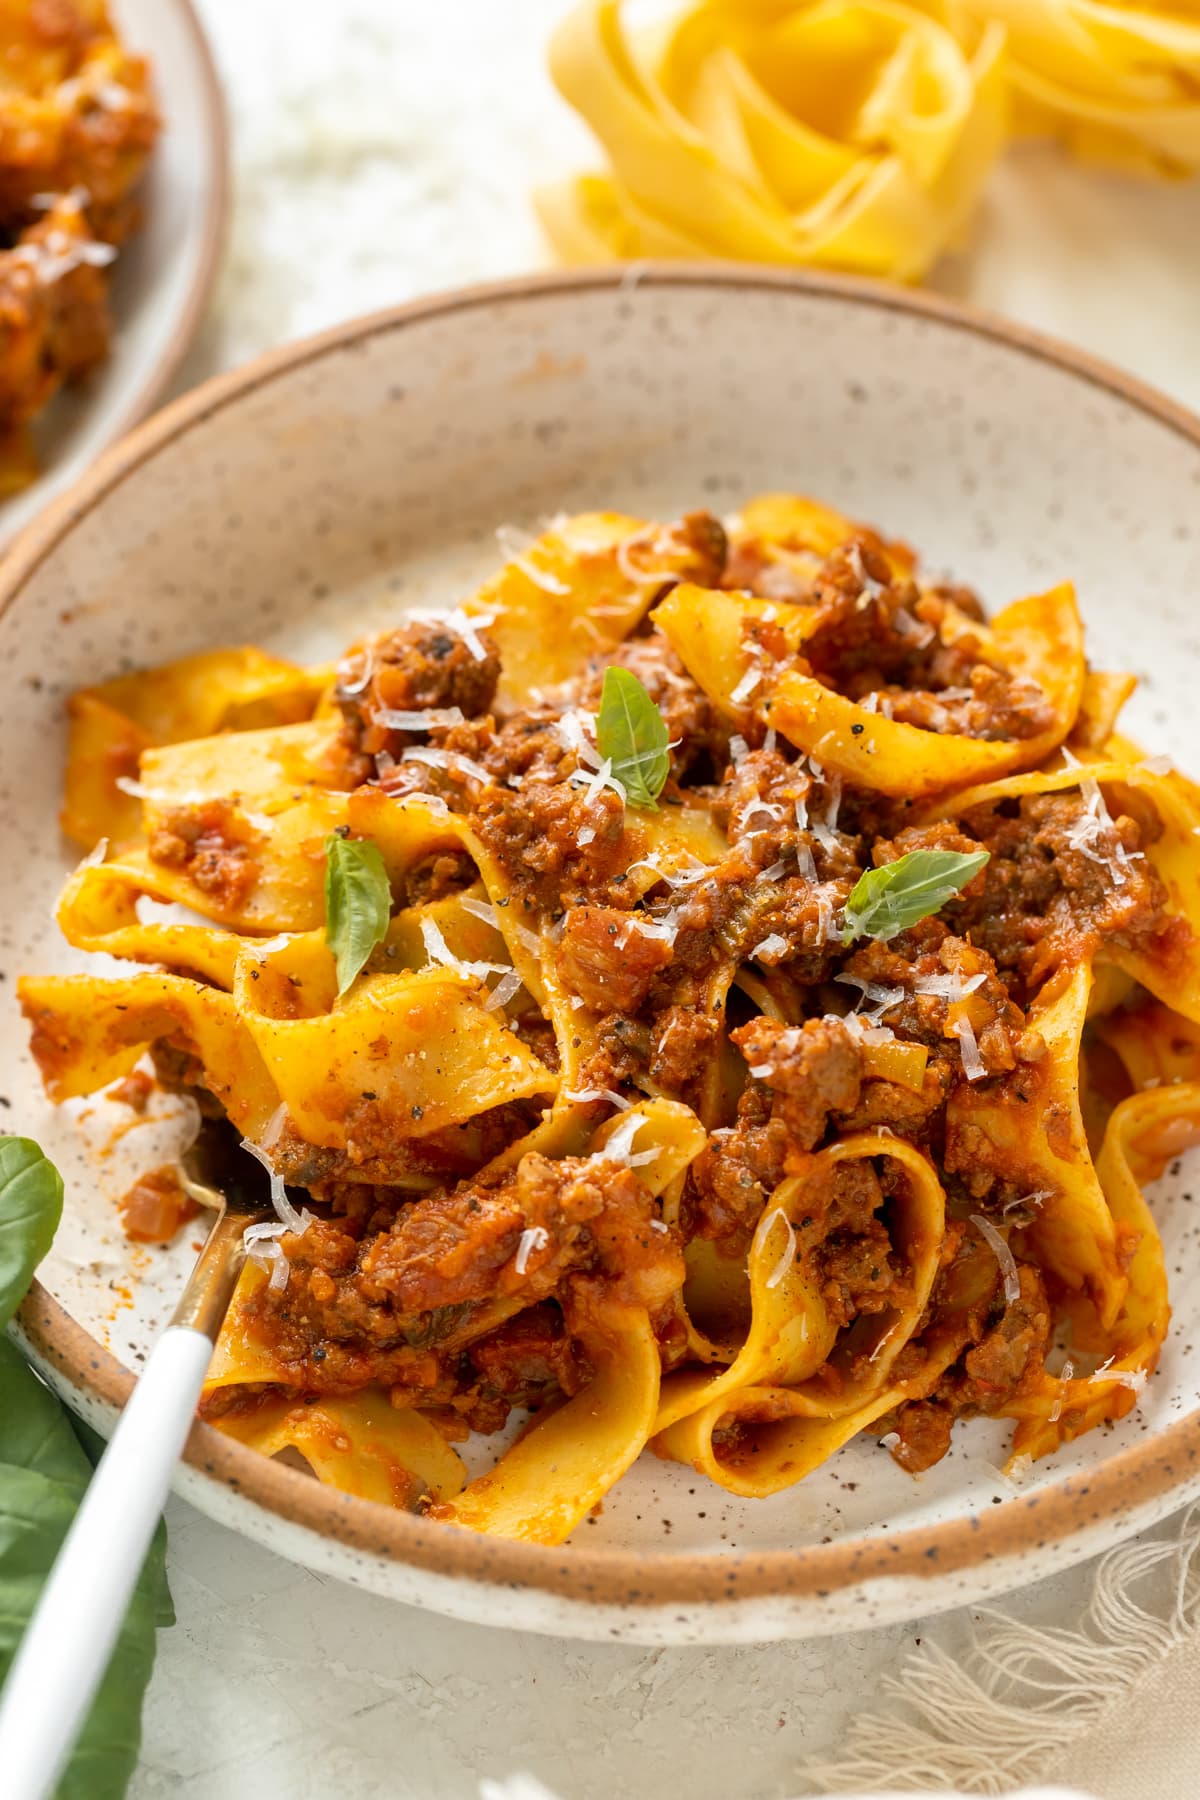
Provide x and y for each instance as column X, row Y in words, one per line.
column 769, row 809
column 584, row 1096
column 297, row 1222
column 950, row 987
column 597, row 782
column 483, row 909
column 772, row 946
column 348, row 689
column 631, row 572
column 59, row 253
column 505, row 990
column 263, row 1248
column 619, row 1147
column 439, row 952
column 909, row 627
column 396, row 719
column 1055, row 1413
column 746, row 686
column 273, row 1130
column 662, row 929
column 881, row 999
column 515, row 544
column 1033, row 1200
column 1130, row 1378
column 1087, row 833
column 536, row 1237
column 870, row 588
column 280, row 1267
column 188, row 797
column 446, row 759
column 974, row 1067
column 789, row 1250
column 805, row 862
column 1004, row 1256
column 573, row 729
column 466, row 626
column 858, row 1027
column 95, row 855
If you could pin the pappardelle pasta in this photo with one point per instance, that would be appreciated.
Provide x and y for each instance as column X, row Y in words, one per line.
column 710, row 991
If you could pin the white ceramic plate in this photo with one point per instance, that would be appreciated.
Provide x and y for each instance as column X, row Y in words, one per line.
column 332, row 484
column 162, row 278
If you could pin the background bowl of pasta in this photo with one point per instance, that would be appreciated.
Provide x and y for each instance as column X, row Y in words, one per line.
column 734, row 1435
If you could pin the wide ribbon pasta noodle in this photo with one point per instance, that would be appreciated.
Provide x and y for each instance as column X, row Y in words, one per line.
column 1120, row 84
column 1043, row 1144
column 113, row 724
column 364, row 1446
column 1039, row 639
column 1145, row 1131
column 793, row 1348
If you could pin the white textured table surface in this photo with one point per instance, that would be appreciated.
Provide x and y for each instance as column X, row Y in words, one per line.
column 384, row 149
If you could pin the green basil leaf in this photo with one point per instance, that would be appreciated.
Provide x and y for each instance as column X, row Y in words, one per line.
column 358, row 903
column 44, row 1473
column 902, row 893
column 632, row 734
column 31, row 1195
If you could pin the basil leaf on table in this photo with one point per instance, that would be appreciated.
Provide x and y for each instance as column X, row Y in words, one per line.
column 31, row 1196
column 44, row 1473
column 888, row 900
column 358, row 903
column 632, row 735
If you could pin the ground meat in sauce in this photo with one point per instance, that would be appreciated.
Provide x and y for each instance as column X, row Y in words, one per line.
column 387, row 1294
column 1042, row 901
column 534, row 835
column 609, row 958
column 213, row 845
column 155, row 1207
column 134, row 1091
column 448, row 872
column 1006, row 1360
column 814, row 1069
column 876, row 633
column 417, row 667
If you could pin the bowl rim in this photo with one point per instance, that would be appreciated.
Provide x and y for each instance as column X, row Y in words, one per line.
column 1115, row 1493
column 215, row 229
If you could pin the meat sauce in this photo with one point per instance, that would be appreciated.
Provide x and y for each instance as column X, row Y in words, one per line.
column 466, row 1297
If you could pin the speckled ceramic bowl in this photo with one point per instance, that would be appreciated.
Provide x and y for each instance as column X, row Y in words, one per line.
column 332, row 484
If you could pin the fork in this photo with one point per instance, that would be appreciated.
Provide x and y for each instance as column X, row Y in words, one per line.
column 66, row 1647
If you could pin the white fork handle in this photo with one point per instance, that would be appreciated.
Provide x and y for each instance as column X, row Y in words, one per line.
column 66, row 1648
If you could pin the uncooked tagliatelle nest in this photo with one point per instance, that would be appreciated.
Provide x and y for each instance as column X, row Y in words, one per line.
column 853, row 134
column 1118, row 83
